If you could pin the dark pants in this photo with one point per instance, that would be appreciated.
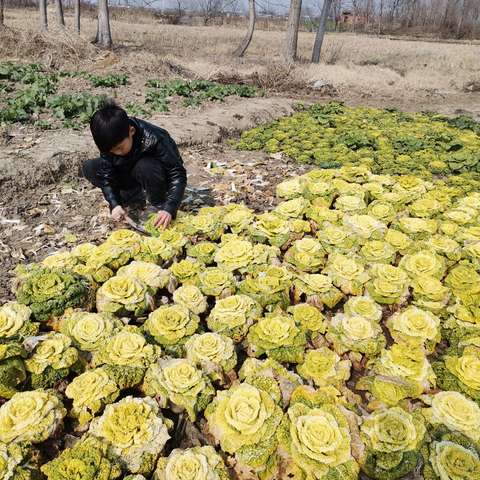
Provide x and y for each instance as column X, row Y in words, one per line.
column 147, row 175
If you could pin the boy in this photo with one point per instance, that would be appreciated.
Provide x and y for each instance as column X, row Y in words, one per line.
column 136, row 157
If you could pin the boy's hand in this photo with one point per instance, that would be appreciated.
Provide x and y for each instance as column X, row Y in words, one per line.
column 118, row 213
column 163, row 219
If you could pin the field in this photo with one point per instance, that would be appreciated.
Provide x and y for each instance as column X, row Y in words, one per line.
column 313, row 312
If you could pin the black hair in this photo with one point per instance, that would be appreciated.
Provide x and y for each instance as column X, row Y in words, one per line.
column 109, row 126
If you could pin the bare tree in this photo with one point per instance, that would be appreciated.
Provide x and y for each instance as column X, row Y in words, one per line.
column 104, row 35
column 59, row 9
column 322, row 26
column 239, row 52
column 291, row 40
column 76, row 15
column 42, row 5
column 211, row 9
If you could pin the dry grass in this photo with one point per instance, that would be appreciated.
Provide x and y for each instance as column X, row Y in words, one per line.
column 351, row 62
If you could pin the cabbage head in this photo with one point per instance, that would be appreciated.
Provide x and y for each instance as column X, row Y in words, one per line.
column 86, row 460
column 306, row 254
column 324, row 367
column 15, row 322
column 89, row 331
column 90, row 392
column 148, row 273
column 190, row 297
column 197, row 463
column 31, row 417
column 279, row 337
column 216, row 282
column 356, row 334
column 50, row 292
column 134, row 431
column 347, row 273
column 232, row 316
column 177, row 384
column 244, row 420
column 124, row 295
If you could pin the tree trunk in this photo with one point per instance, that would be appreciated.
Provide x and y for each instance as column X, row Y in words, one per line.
column 2, row 20
column 104, row 35
column 291, row 41
column 60, row 17
column 42, row 5
column 322, row 26
column 76, row 16
column 251, row 27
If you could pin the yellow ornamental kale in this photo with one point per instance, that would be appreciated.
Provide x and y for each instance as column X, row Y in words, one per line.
column 318, row 289
column 87, row 330
column 464, row 282
column 294, row 208
column 244, row 420
column 387, row 391
column 179, row 385
column 322, row 215
column 64, row 260
column 203, row 251
column 417, row 228
column 171, row 326
column 205, row 226
column 363, row 306
column 356, row 334
column 197, row 463
column 319, row 190
column 123, row 295
column 238, row 217
column 445, row 246
column 134, row 431
column 423, row 263
column 126, row 356
column 216, row 282
column 51, row 360
column 148, row 273
column 95, row 274
column 15, row 323
column 108, row 256
column 128, row 240
column 83, row 251
column 407, row 363
column 306, row 254
column 272, row 228
column 213, row 352
column 365, row 227
column 392, row 437
column 186, row 271
column 377, row 251
column 87, row 460
column 324, row 367
column 291, row 188
column 267, row 285
column 430, row 294
column 155, row 250
column 315, row 441
column 389, row 284
column 454, row 411
column 399, row 241
column 15, row 462
column 416, row 327
column 310, row 318
column 452, row 461
column 461, row 216
column 49, row 293
column 12, row 369
column 191, row 298
column 31, row 417
column 383, row 211
column 461, row 372
column 174, row 238
column 90, row 391
column 347, row 273
column 279, row 337
column 335, row 238
column 350, row 204
column 232, row 316
column 235, row 255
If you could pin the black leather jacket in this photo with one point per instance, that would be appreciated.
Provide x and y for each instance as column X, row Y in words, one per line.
column 152, row 141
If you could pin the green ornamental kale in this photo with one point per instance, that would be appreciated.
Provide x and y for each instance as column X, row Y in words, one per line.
column 49, row 292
